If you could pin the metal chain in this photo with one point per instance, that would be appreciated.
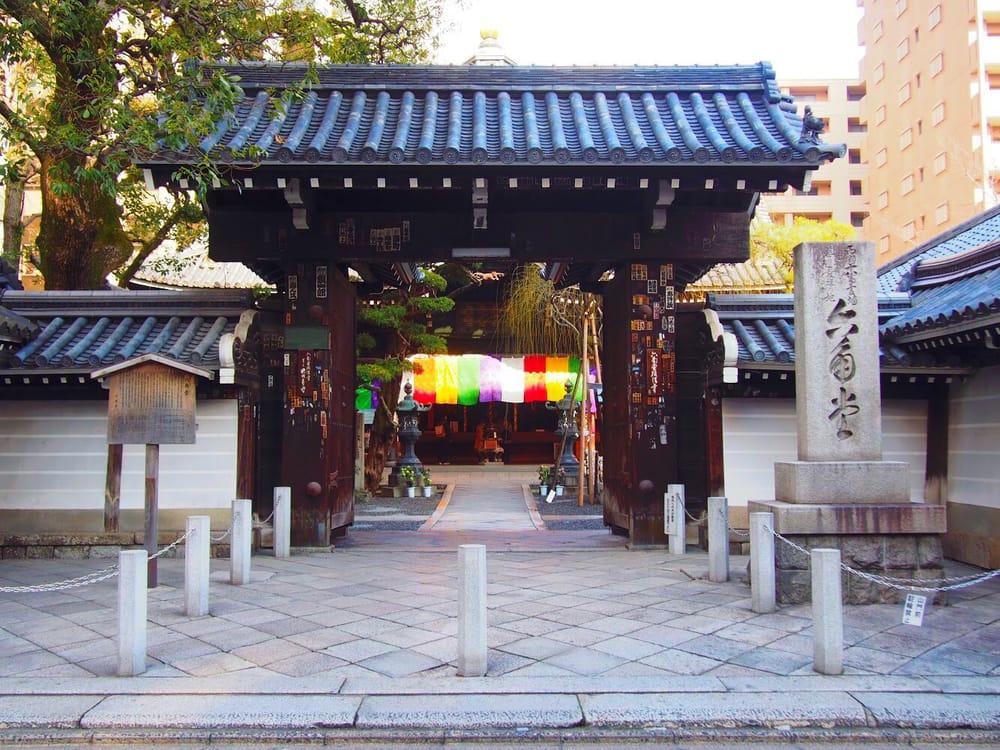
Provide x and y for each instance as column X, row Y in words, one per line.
column 267, row 519
column 224, row 534
column 173, row 544
column 88, row 578
column 70, row 583
column 902, row 584
column 690, row 517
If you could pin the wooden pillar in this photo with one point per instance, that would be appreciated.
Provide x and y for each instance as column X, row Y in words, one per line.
column 113, row 488
column 152, row 528
column 936, row 470
column 713, row 443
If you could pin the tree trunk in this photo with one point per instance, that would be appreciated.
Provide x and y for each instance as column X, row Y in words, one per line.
column 80, row 240
column 13, row 229
column 383, row 435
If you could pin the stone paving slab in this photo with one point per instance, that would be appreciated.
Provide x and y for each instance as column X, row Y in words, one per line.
column 222, row 711
column 531, row 685
column 469, row 711
column 59, row 711
column 933, row 711
column 725, row 710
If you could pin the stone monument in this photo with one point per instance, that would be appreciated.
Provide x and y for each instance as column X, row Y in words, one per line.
column 840, row 493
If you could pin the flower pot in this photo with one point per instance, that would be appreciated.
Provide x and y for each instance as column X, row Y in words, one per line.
column 411, row 491
column 428, row 491
column 559, row 490
column 543, row 490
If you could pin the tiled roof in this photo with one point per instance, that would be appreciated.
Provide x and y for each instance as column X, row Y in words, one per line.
column 897, row 274
column 81, row 331
column 764, row 327
column 191, row 268
column 15, row 328
column 509, row 115
column 750, row 277
column 952, row 292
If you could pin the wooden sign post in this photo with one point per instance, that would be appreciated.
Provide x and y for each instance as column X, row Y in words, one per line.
column 152, row 402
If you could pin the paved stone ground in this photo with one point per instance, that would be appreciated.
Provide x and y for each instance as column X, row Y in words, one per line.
column 582, row 633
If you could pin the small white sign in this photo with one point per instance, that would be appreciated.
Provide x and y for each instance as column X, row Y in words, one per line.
column 669, row 513
column 913, row 609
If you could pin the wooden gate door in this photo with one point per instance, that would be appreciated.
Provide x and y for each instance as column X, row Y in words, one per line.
column 318, row 430
column 640, row 404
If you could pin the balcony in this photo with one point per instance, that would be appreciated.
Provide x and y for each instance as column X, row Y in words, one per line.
column 991, row 105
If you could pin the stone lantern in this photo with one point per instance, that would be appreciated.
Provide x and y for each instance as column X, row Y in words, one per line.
column 407, row 411
column 567, row 430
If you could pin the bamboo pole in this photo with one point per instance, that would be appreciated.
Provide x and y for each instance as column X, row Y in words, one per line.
column 591, row 418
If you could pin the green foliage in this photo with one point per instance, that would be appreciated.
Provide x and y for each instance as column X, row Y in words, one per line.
column 775, row 242
column 90, row 84
column 536, row 317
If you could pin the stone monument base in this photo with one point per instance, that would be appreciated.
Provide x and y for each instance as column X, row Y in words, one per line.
column 897, row 541
column 842, row 481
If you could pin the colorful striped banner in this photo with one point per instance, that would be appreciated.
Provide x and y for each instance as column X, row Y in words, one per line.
column 470, row 379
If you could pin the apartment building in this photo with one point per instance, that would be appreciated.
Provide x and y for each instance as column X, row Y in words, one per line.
column 932, row 108
column 837, row 188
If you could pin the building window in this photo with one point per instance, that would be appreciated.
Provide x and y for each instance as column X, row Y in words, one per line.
column 934, row 17
column 937, row 64
column 856, row 93
column 906, row 184
column 909, row 231
column 880, row 114
column 858, row 218
column 877, row 31
column 940, row 162
column 854, row 156
column 903, row 49
column 879, row 73
column 937, row 114
column 900, row 7
column 809, row 93
column 855, row 187
column 883, row 243
column 883, row 199
column 854, row 125
column 941, row 214
column 905, row 139
column 904, row 93
column 880, row 157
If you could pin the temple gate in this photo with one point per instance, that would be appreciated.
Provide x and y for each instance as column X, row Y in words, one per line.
column 629, row 182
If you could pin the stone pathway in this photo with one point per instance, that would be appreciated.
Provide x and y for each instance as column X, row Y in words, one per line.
column 598, row 612
column 581, row 630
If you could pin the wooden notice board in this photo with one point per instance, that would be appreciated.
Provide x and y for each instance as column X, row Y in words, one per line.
column 151, row 403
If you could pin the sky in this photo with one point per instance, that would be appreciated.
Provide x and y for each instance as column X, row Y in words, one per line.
column 801, row 38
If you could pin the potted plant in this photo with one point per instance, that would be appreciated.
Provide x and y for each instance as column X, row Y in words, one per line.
column 543, row 480
column 425, row 476
column 560, row 480
column 409, row 475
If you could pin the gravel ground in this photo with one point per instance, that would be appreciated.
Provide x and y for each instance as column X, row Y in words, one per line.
column 575, row 524
column 566, row 506
column 387, row 525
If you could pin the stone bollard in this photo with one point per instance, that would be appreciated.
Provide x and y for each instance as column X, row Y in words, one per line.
column 282, row 521
column 132, row 578
column 239, row 549
column 197, row 552
column 471, row 610
column 718, row 539
column 673, row 514
column 827, row 612
column 762, row 584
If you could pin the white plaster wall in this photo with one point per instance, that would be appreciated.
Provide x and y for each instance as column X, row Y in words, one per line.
column 974, row 440
column 758, row 432
column 53, row 456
